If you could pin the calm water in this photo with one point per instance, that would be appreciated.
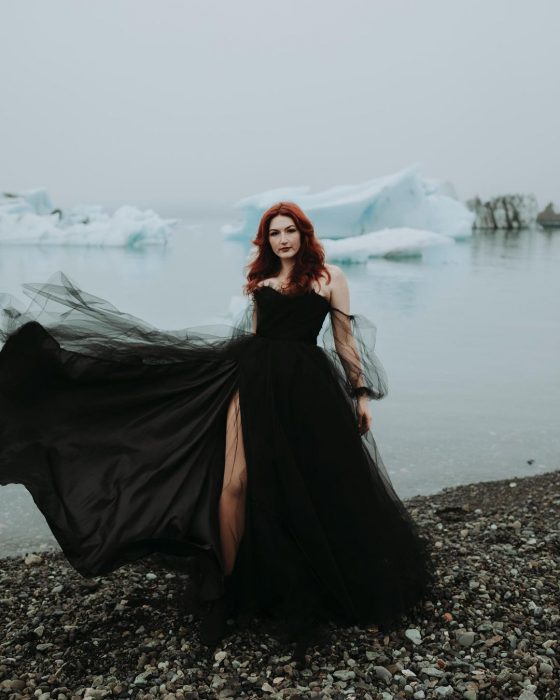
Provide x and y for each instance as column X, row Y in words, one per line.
column 469, row 335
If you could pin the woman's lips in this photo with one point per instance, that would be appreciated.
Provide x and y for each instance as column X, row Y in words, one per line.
column 288, row 248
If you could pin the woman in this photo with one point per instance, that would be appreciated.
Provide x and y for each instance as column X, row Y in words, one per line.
column 246, row 449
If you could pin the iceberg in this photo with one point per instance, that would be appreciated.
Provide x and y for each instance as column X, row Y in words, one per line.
column 29, row 218
column 405, row 200
column 388, row 243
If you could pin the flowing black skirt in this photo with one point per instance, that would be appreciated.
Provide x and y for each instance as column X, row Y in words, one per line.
column 117, row 430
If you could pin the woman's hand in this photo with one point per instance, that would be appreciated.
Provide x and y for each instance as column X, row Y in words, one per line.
column 364, row 415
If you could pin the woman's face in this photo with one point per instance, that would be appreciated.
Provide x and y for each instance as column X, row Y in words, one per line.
column 284, row 237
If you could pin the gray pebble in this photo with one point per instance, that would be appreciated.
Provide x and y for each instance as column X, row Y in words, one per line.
column 432, row 671
column 344, row 675
column 527, row 695
column 414, row 635
column 383, row 673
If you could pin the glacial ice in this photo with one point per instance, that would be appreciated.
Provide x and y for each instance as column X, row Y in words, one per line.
column 29, row 218
column 388, row 243
column 405, row 204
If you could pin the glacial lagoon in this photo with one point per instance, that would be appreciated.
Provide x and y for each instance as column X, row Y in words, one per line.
column 469, row 334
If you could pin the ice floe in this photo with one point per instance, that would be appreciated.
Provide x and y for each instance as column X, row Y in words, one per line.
column 29, row 218
column 417, row 211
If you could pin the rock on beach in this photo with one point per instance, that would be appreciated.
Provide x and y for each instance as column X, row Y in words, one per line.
column 489, row 631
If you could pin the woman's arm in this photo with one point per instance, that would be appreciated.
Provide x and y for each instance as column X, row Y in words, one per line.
column 254, row 319
column 346, row 347
column 344, row 341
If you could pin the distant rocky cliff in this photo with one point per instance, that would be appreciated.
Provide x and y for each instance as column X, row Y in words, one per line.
column 548, row 217
column 511, row 211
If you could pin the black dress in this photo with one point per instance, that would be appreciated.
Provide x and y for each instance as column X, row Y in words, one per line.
column 117, row 429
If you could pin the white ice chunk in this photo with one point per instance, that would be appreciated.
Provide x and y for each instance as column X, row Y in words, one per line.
column 389, row 243
column 403, row 200
column 28, row 218
column 35, row 201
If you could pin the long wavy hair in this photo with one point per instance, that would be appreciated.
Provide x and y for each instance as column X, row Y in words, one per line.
column 309, row 262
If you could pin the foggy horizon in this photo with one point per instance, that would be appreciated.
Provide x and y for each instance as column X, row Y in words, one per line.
column 185, row 106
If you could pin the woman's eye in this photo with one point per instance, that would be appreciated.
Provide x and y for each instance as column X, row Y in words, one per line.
column 275, row 233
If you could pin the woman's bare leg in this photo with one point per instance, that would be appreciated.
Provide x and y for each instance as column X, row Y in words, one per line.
column 232, row 499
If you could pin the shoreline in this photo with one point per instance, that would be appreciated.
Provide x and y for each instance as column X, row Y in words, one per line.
column 490, row 631
column 461, row 490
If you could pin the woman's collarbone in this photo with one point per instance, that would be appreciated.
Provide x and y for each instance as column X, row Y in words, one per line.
column 271, row 282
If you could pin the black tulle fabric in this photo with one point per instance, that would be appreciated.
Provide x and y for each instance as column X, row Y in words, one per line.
column 117, row 429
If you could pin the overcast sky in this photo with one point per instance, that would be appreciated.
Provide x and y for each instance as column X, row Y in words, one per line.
column 169, row 102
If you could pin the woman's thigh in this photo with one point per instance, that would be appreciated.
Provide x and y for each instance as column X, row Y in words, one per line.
column 235, row 470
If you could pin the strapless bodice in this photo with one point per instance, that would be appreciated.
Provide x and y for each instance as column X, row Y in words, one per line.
column 290, row 317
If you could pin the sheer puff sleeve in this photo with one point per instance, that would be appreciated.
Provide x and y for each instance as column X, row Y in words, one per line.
column 349, row 341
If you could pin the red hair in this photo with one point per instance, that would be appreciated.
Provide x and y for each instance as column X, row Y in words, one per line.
column 309, row 260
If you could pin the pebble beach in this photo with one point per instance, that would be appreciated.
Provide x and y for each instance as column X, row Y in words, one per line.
column 490, row 630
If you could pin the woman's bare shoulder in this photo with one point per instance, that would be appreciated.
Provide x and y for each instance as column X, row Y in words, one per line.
column 333, row 269
column 327, row 286
column 339, row 296
column 337, row 276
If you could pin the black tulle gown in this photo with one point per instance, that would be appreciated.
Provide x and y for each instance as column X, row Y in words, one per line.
column 117, row 429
